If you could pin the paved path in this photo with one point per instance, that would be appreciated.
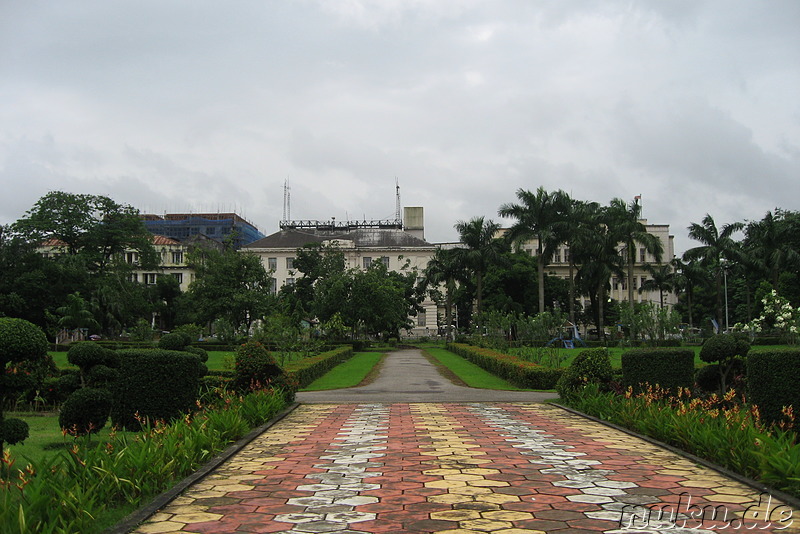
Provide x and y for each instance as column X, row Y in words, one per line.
column 462, row 468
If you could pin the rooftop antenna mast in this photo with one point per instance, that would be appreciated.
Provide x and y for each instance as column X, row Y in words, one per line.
column 397, row 215
column 287, row 201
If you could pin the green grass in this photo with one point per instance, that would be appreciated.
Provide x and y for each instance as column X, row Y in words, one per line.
column 468, row 372
column 347, row 374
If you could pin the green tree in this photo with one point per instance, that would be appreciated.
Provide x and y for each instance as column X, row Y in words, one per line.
column 689, row 275
column 539, row 216
column 625, row 223
column 75, row 313
column 229, row 285
column 717, row 247
column 444, row 268
column 662, row 279
column 771, row 244
column 481, row 248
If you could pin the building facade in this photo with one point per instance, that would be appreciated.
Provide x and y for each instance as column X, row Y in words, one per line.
column 219, row 227
column 396, row 245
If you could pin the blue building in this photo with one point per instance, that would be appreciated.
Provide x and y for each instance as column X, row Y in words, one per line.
column 221, row 227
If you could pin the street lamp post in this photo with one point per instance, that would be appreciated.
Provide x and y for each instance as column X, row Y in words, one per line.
column 725, row 278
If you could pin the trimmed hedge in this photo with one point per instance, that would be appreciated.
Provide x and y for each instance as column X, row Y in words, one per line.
column 157, row 384
column 521, row 373
column 306, row 370
column 669, row 368
column 773, row 381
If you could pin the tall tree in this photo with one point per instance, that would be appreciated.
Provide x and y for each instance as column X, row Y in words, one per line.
column 688, row 276
column 625, row 223
column 229, row 285
column 481, row 248
column 444, row 268
column 598, row 259
column 579, row 231
column 771, row 246
column 662, row 278
column 538, row 216
column 717, row 247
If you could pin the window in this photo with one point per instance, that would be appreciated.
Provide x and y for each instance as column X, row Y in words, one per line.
column 177, row 256
column 132, row 258
column 642, row 255
column 290, row 263
column 134, row 277
column 163, row 256
column 625, row 284
column 421, row 319
column 385, row 261
column 273, row 285
column 615, row 283
column 178, row 277
column 272, row 264
column 566, row 255
column 150, row 278
column 367, row 262
column 289, row 282
column 210, row 230
column 557, row 256
column 635, row 280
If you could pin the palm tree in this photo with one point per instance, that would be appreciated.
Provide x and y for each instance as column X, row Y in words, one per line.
column 578, row 230
column 598, row 259
column 716, row 247
column 75, row 313
column 444, row 268
column 662, row 278
column 538, row 217
column 625, row 223
column 688, row 275
column 769, row 242
column 481, row 249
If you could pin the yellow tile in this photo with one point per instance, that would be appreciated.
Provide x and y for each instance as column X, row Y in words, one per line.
column 162, row 527
column 455, row 515
column 485, row 525
column 506, row 515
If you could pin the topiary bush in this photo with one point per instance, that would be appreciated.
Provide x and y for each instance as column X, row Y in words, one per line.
column 669, row 368
column 591, row 366
column 723, row 349
column 707, row 379
column 255, row 367
column 200, row 353
column 87, row 355
column 20, row 341
column 773, row 381
column 174, row 341
column 86, row 411
column 158, row 385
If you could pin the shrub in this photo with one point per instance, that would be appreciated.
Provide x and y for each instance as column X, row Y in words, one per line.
column 723, row 349
column 773, row 380
column 669, row 368
column 255, row 367
column 519, row 372
column 707, row 378
column 158, row 385
column 200, row 353
column 20, row 341
column 591, row 366
column 174, row 341
column 86, row 411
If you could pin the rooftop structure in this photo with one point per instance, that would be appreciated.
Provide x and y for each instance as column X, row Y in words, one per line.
column 217, row 226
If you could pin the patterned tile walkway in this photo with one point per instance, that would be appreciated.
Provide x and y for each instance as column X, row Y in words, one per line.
column 506, row 468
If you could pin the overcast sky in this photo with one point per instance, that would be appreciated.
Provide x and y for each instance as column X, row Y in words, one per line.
column 210, row 106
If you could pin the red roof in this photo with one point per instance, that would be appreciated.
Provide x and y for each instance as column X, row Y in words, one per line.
column 164, row 240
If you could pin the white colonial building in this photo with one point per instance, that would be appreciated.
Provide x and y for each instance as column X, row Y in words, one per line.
column 400, row 245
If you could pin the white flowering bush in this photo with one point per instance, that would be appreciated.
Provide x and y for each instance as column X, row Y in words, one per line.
column 778, row 317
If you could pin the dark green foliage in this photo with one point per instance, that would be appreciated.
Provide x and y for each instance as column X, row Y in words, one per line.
column 591, row 366
column 85, row 411
column 101, row 376
column 13, row 431
column 87, row 354
column 255, row 367
column 158, row 385
column 200, row 353
column 773, row 380
column 521, row 373
column 723, row 347
column 669, row 368
column 20, row 340
column 174, row 341
column 708, row 378
column 69, row 382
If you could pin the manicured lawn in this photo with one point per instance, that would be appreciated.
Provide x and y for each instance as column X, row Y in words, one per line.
column 468, row 372
column 347, row 374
